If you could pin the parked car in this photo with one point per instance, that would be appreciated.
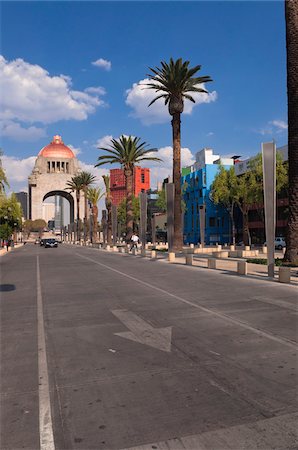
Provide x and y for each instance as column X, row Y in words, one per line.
column 280, row 243
column 50, row 243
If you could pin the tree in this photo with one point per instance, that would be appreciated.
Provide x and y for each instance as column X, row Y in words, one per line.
column 94, row 195
column 175, row 80
column 108, row 201
column 161, row 201
column 121, row 211
column 86, row 179
column 127, row 151
column 3, row 179
column 75, row 185
column 38, row 225
column 291, row 14
column 224, row 191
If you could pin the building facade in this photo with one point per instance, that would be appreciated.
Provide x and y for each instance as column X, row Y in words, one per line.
column 55, row 165
column 196, row 187
column 141, row 183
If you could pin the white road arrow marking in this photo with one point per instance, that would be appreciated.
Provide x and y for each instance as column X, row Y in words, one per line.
column 143, row 332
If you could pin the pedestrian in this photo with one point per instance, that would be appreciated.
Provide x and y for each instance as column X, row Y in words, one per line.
column 134, row 241
column 7, row 244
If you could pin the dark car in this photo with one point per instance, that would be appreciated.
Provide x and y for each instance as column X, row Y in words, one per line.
column 50, row 243
column 41, row 242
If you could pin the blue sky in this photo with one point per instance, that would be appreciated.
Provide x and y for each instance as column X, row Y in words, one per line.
column 49, row 47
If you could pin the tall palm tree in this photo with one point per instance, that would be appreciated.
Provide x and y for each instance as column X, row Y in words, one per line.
column 127, row 151
column 94, row 195
column 106, row 179
column 75, row 185
column 87, row 179
column 291, row 12
column 175, row 80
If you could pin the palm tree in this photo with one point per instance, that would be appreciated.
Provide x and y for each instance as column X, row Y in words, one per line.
column 75, row 185
column 106, row 179
column 175, row 80
column 86, row 179
column 291, row 12
column 127, row 151
column 94, row 195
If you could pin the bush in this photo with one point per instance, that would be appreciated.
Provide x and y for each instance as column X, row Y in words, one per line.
column 278, row 262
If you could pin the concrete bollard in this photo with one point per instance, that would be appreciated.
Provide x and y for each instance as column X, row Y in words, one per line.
column 218, row 246
column 126, row 249
column 211, row 263
column 134, row 251
column 242, row 267
column 108, row 248
column 115, row 248
column 232, row 248
column 247, row 248
column 171, row 257
column 191, row 245
column 143, row 252
column 284, row 275
column 189, row 259
column 153, row 253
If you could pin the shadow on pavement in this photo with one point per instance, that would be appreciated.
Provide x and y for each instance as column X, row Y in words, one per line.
column 7, row 287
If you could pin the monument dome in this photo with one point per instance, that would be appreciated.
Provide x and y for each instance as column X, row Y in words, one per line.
column 56, row 149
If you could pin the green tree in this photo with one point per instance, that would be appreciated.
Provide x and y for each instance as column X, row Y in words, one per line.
column 161, row 201
column 121, row 212
column 86, row 179
column 94, row 195
column 108, row 201
column 175, row 80
column 75, row 185
column 5, row 231
column 224, row 191
column 291, row 15
column 38, row 225
column 127, row 151
column 3, row 179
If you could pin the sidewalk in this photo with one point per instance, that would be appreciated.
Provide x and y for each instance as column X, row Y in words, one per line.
column 3, row 251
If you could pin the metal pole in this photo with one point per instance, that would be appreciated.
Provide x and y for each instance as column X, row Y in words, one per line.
column 170, row 195
column 269, row 183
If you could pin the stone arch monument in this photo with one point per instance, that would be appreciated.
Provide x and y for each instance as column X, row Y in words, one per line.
column 54, row 166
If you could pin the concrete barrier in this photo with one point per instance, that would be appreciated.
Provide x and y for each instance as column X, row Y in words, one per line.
column 191, row 245
column 242, row 267
column 153, row 253
column 108, row 248
column 284, row 275
column 189, row 259
column 115, row 248
column 221, row 254
column 143, row 252
column 232, row 248
column 126, row 249
column 247, row 248
column 134, row 251
column 171, row 257
column 211, row 263
column 218, row 247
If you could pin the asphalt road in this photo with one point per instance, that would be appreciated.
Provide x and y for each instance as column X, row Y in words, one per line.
column 112, row 351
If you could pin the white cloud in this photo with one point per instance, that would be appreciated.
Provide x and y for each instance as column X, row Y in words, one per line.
column 280, row 125
column 99, row 90
column 103, row 141
column 75, row 150
column 210, row 133
column 103, row 63
column 273, row 127
column 17, row 170
column 14, row 130
column 29, row 94
column 138, row 98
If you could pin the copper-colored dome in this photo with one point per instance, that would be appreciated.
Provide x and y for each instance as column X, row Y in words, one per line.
column 56, row 149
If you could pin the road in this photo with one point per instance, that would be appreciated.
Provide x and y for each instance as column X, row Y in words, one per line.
column 112, row 351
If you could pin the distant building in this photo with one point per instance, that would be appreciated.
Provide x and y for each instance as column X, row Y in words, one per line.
column 22, row 198
column 196, row 185
column 141, row 183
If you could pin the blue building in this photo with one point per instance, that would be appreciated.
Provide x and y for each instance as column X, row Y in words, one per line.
column 196, row 186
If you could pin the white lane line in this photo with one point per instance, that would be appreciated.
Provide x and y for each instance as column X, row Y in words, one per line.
column 223, row 316
column 46, row 436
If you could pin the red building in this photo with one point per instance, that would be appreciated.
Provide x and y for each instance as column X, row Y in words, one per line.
column 141, row 183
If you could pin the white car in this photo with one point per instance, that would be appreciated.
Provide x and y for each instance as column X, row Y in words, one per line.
column 280, row 243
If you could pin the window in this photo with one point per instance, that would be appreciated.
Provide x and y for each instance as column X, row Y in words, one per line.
column 212, row 222
column 53, row 166
column 67, row 167
column 200, row 192
column 142, row 177
column 63, row 166
column 204, row 178
column 49, row 167
column 58, row 166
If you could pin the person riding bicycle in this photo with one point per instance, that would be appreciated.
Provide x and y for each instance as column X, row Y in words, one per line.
column 134, row 241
